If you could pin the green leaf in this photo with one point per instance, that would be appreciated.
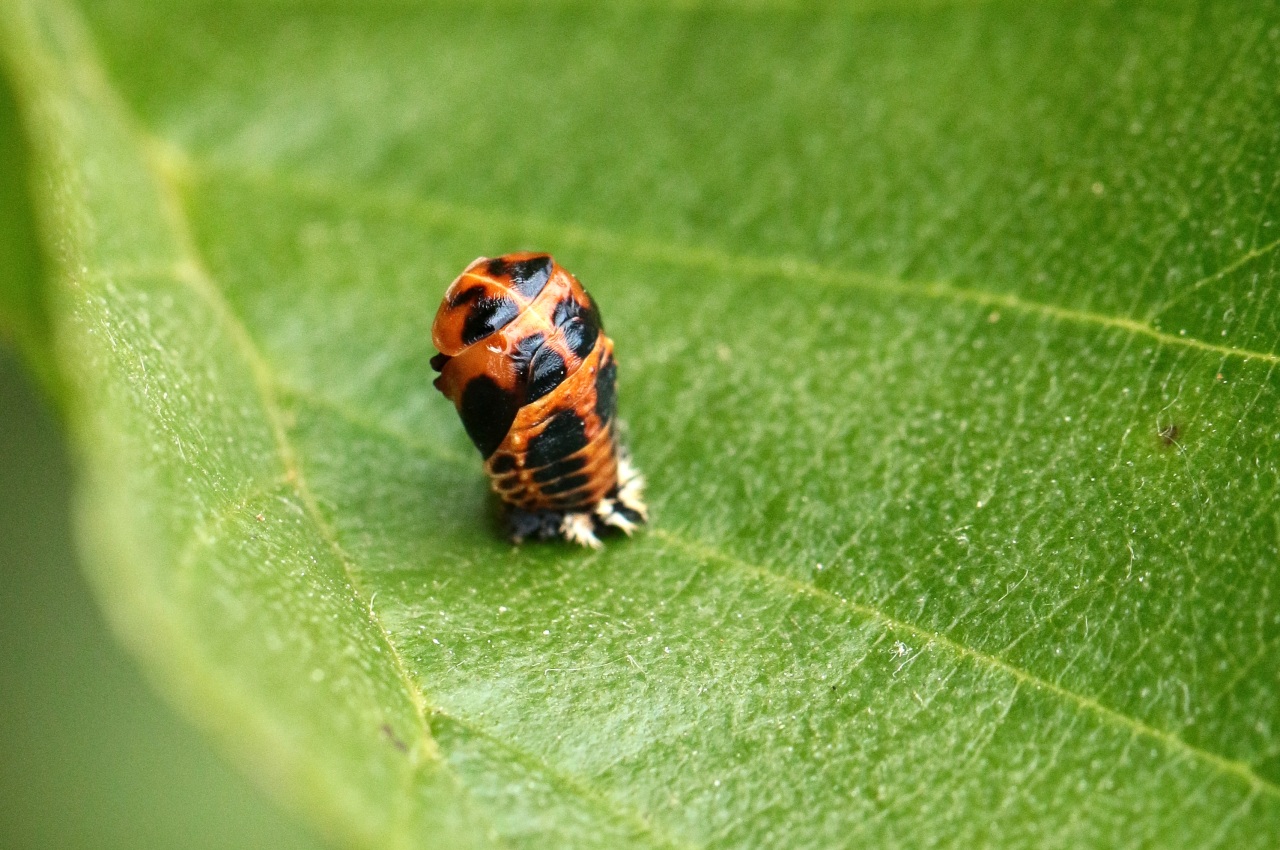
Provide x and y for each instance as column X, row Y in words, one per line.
column 948, row 339
column 89, row 760
column 23, row 319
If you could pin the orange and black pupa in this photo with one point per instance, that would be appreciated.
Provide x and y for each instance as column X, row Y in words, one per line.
column 525, row 360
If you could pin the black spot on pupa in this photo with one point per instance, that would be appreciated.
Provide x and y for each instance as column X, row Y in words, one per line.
column 488, row 315
column 566, row 484
column 563, row 435
column 528, row 277
column 571, row 308
column 487, row 411
column 559, row 468
column 607, row 391
column 525, row 350
column 502, row 463
column 566, row 309
column 438, row 362
column 466, row 296
column 546, row 372
column 580, row 337
column 591, row 315
column 580, row 325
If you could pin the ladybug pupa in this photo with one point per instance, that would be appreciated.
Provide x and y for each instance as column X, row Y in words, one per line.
column 525, row 360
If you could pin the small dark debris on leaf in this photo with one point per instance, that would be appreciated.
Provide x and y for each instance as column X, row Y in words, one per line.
column 1169, row 434
column 394, row 739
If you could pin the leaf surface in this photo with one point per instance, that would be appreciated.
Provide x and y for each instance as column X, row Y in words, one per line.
column 948, row 340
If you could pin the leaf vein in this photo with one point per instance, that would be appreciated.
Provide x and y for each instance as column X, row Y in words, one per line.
column 713, row 259
column 1240, row 770
column 1087, row 704
column 566, row 781
column 1244, row 259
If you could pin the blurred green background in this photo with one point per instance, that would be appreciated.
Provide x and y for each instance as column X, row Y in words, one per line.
column 89, row 756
